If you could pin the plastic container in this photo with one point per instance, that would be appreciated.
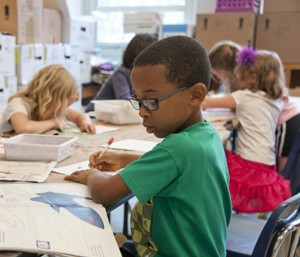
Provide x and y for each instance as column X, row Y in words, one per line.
column 238, row 6
column 35, row 147
column 116, row 112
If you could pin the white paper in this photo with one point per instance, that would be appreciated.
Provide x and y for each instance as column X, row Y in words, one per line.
column 69, row 169
column 58, row 218
column 218, row 114
column 25, row 171
column 133, row 144
column 99, row 129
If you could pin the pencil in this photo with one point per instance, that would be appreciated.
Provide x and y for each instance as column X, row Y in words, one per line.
column 109, row 142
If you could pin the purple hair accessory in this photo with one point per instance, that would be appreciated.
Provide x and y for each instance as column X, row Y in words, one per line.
column 246, row 56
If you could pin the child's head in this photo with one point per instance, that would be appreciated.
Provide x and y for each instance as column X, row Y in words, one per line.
column 170, row 78
column 51, row 90
column 223, row 62
column 260, row 70
column 135, row 46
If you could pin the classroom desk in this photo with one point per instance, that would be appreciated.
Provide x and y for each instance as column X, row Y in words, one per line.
column 88, row 144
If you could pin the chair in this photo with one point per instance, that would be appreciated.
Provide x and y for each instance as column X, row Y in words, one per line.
column 115, row 205
column 291, row 170
column 249, row 236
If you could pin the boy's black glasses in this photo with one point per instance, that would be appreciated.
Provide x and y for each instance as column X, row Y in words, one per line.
column 151, row 104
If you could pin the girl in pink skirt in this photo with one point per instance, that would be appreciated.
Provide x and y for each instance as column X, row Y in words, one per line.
column 255, row 185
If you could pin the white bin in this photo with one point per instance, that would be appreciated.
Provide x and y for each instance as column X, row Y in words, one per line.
column 116, row 112
column 35, row 147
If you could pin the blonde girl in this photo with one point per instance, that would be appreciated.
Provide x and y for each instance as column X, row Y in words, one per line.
column 255, row 185
column 44, row 104
column 223, row 61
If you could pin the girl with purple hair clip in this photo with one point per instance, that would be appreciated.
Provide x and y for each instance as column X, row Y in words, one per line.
column 255, row 185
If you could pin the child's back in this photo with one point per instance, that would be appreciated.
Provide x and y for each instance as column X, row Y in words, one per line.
column 258, row 116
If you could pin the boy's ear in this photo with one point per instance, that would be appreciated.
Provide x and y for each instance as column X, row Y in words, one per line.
column 197, row 93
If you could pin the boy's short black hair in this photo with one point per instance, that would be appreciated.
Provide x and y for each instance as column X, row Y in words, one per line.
column 185, row 60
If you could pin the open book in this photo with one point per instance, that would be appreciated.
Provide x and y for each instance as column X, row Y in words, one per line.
column 58, row 218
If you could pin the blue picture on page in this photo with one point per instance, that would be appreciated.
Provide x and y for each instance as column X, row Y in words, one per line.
column 67, row 201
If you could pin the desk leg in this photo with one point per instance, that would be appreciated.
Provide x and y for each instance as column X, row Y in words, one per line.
column 125, row 217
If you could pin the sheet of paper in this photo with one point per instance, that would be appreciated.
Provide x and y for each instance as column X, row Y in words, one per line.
column 99, row 129
column 134, row 145
column 218, row 114
column 69, row 169
column 25, row 171
column 56, row 218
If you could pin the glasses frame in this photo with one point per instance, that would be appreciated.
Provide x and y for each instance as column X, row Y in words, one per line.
column 143, row 102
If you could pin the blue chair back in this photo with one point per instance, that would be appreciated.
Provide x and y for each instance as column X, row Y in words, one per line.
column 286, row 217
column 291, row 170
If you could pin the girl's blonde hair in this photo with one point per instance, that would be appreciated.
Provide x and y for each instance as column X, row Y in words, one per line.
column 222, row 56
column 48, row 92
column 266, row 74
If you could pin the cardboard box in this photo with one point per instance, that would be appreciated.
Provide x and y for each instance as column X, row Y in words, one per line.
column 48, row 54
column 83, row 33
column 30, row 59
column 238, row 27
column 281, row 6
column 8, row 87
column 279, row 32
column 85, row 67
column 9, row 17
column 31, row 147
column 23, row 19
column 25, row 63
column 7, row 54
column 142, row 23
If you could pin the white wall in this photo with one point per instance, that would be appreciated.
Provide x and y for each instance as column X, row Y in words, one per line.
column 206, row 6
column 75, row 7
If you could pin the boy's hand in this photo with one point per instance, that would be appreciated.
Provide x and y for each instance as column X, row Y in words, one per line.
column 81, row 176
column 108, row 162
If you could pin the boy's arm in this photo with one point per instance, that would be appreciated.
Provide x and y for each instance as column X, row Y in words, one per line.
column 218, row 102
column 22, row 124
column 104, row 189
column 82, row 120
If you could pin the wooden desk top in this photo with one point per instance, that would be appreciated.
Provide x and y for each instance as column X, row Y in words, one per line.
column 88, row 144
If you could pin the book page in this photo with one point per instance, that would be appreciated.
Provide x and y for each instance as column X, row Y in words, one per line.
column 56, row 218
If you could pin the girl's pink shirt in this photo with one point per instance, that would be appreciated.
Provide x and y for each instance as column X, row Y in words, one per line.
column 290, row 109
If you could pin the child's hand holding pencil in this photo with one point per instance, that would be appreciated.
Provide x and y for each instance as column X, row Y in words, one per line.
column 102, row 161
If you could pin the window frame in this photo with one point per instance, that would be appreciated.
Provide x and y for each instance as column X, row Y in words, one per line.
column 189, row 10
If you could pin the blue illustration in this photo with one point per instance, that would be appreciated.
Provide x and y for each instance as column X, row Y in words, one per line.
column 66, row 201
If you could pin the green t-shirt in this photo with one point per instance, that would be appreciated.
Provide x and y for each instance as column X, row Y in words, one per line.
column 185, row 177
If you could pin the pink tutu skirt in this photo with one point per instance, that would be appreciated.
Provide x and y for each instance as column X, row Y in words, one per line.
column 255, row 187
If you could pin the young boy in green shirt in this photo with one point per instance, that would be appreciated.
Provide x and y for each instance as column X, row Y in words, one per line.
column 184, row 205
